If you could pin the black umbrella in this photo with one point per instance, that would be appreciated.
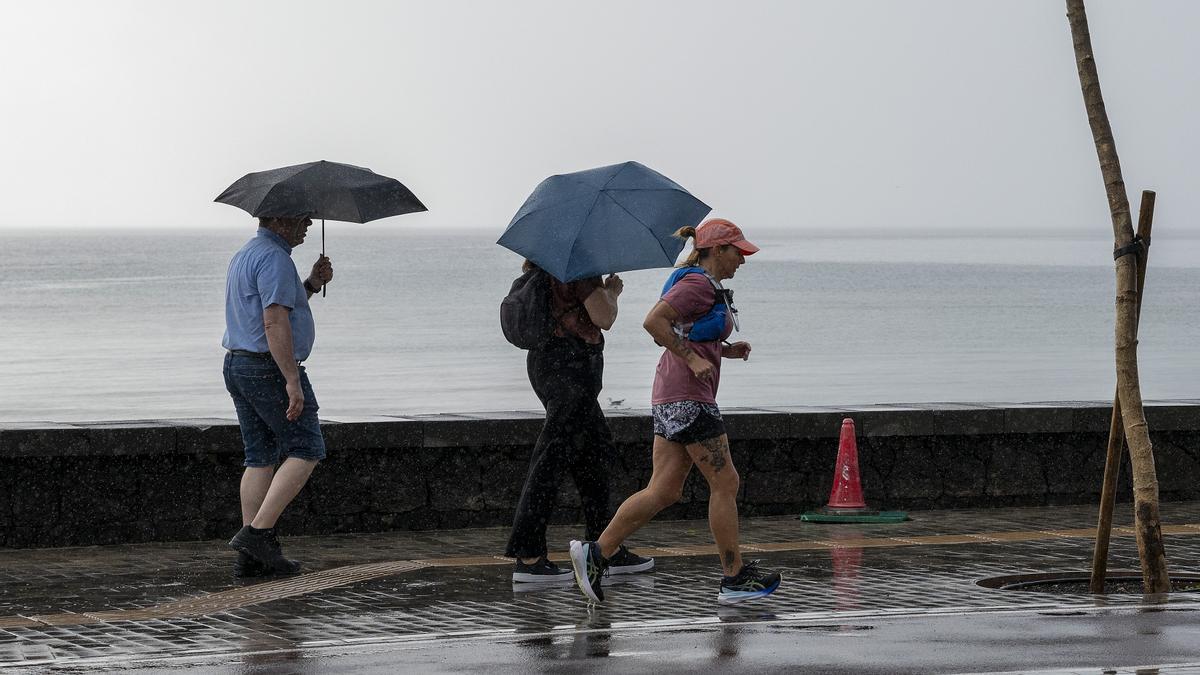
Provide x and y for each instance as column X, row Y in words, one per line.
column 325, row 190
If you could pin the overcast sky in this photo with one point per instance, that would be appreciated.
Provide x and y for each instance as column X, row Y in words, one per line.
column 822, row 116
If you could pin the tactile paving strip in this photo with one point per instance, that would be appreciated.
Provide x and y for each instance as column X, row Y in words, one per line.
column 224, row 601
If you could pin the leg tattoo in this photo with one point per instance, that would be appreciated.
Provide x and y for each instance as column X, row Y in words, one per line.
column 717, row 450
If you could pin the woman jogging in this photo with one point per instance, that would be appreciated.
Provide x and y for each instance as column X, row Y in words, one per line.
column 692, row 320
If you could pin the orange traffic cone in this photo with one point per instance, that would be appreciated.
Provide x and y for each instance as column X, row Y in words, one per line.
column 846, row 495
column 846, row 502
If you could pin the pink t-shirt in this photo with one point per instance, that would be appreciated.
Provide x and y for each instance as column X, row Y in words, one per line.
column 692, row 297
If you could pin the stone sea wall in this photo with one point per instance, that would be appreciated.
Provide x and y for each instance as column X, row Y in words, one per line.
column 122, row 482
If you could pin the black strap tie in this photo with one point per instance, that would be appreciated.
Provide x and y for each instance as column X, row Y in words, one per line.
column 1135, row 247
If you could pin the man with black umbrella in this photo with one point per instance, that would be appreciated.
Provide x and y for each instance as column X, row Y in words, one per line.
column 269, row 332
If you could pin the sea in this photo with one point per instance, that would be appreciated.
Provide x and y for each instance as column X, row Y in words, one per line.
column 127, row 325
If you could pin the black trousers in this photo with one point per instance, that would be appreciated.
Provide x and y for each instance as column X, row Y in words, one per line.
column 567, row 376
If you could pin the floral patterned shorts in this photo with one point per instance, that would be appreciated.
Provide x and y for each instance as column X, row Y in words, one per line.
column 687, row 421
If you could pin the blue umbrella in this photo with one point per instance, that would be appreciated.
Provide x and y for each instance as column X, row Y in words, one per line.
column 611, row 219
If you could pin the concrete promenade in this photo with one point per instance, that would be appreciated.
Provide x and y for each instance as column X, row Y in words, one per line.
column 856, row 598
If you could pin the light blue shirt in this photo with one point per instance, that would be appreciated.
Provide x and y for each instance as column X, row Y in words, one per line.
column 262, row 274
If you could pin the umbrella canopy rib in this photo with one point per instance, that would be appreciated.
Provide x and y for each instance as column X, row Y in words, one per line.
column 547, row 207
column 613, row 177
column 641, row 222
column 579, row 230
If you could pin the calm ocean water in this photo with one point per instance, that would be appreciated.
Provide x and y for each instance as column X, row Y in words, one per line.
column 108, row 326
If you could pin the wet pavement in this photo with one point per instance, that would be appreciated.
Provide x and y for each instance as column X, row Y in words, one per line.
column 855, row 598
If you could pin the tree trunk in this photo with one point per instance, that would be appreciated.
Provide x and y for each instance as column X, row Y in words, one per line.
column 1137, row 435
column 1116, row 434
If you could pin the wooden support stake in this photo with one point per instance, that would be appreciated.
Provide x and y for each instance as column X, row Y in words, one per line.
column 1116, row 435
column 1147, row 526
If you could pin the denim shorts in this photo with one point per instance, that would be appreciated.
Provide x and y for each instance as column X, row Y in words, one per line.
column 260, row 397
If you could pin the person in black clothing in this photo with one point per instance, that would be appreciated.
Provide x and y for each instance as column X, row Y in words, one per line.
column 567, row 375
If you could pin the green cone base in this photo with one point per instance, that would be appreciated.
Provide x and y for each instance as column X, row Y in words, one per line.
column 870, row 517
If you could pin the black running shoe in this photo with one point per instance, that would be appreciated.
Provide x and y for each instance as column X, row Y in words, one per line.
column 749, row 584
column 625, row 561
column 541, row 572
column 589, row 568
column 246, row 567
column 263, row 546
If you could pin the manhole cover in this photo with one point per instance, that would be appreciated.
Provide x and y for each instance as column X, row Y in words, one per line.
column 1078, row 583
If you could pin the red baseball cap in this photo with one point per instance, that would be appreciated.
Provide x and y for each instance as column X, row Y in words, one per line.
column 717, row 231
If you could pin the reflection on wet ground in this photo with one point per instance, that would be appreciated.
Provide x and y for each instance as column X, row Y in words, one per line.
column 110, row 606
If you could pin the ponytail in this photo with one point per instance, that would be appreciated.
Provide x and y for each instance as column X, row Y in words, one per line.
column 697, row 254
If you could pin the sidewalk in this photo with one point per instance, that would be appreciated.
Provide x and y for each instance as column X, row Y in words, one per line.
column 382, row 600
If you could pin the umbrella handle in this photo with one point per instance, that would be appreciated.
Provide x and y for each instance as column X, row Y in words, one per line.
column 324, row 287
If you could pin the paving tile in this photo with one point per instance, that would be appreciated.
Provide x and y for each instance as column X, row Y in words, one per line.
column 66, row 606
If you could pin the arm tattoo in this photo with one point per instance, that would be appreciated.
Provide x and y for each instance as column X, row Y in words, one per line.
column 681, row 344
column 717, row 450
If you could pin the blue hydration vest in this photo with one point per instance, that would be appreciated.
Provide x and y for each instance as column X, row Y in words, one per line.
column 711, row 326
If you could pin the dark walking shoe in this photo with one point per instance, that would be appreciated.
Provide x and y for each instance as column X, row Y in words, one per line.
column 263, row 546
column 246, row 567
column 541, row 572
column 750, row 583
column 589, row 568
column 625, row 561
